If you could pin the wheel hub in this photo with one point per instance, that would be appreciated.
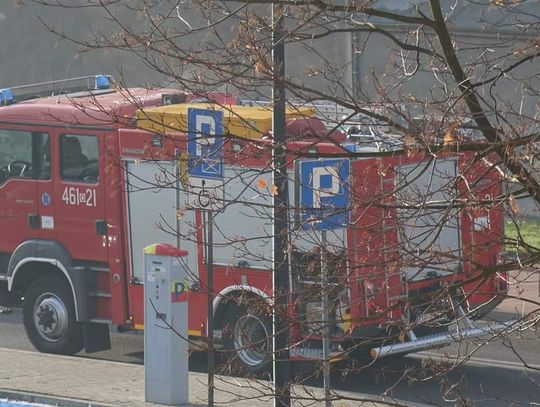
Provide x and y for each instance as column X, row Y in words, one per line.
column 46, row 318
column 251, row 340
column 50, row 317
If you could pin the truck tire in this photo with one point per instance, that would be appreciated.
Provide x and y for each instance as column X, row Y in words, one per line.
column 49, row 317
column 247, row 338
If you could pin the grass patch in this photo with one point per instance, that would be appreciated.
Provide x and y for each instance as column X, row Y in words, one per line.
column 529, row 229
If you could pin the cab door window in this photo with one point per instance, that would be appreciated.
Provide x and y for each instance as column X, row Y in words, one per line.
column 79, row 158
column 24, row 154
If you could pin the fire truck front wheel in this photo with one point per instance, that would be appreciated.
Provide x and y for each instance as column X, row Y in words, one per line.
column 49, row 317
column 247, row 337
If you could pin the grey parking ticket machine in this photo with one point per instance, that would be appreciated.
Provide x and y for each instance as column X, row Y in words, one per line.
column 165, row 305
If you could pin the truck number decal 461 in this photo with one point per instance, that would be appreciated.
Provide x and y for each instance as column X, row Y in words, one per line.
column 79, row 197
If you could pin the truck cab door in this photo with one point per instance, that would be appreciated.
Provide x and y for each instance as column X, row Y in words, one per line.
column 80, row 221
column 22, row 168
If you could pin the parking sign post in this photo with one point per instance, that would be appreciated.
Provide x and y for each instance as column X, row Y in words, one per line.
column 324, row 205
column 206, row 190
column 210, row 302
column 325, row 318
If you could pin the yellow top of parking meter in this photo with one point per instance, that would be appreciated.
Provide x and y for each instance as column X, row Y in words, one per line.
column 164, row 249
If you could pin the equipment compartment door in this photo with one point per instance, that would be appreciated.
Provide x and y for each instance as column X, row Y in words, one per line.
column 428, row 224
column 81, row 223
column 153, row 207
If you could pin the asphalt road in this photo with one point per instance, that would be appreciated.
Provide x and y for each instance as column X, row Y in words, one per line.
column 493, row 376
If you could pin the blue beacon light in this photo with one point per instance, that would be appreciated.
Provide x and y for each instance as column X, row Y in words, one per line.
column 102, row 82
column 6, row 97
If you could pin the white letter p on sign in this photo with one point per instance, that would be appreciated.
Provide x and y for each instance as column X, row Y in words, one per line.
column 205, row 126
column 325, row 184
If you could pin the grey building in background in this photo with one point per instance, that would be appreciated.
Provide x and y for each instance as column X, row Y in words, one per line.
column 29, row 54
column 481, row 32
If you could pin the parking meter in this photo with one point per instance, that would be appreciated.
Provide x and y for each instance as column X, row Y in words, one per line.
column 165, row 307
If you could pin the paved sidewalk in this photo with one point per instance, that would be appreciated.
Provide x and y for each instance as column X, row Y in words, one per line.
column 524, row 288
column 76, row 382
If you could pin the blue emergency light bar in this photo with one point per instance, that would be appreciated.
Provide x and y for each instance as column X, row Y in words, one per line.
column 52, row 88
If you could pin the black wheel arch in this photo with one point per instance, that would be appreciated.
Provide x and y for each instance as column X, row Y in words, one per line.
column 34, row 258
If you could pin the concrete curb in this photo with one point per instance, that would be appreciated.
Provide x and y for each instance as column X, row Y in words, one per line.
column 44, row 399
column 66, row 402
column 503, row 316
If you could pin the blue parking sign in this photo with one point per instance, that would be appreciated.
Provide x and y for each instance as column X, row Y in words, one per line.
column 324, row 194
column 205, row 143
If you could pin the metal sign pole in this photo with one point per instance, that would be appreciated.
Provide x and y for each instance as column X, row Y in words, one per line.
column 280, row 203
column 326, row 322
column 210, row 285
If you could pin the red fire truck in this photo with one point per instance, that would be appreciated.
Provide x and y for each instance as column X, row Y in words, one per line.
column 91, row 176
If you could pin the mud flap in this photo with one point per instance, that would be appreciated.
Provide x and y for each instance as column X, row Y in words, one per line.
column 4, row 294
column 96, row 337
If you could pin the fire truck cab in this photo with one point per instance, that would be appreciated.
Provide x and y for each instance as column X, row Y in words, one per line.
column 61, row 245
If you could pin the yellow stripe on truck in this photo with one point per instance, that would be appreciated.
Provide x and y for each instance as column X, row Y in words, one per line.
column 191, row 332
column 246, row 122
